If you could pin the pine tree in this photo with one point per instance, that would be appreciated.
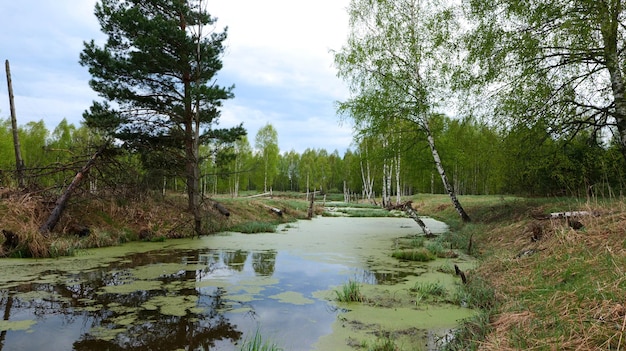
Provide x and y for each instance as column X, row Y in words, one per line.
column 157, row 74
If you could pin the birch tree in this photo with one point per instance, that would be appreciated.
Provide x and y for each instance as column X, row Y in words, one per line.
column 266, row 143
column 558, row 61
column 397, row 62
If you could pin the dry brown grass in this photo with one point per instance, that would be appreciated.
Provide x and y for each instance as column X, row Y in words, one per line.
column 113, row 220
column 567, row 295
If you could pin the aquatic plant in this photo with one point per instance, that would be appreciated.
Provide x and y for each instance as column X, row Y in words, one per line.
column 382, row 343
column 418, row 241
column 425, row 289
column 256, row 343
column 477, row 293
column 254, row 227
column 435, row 247
column 471, row 333
column 420, row 255
column 350, row 292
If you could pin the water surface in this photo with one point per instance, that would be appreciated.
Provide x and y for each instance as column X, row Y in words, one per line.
column 212, row 293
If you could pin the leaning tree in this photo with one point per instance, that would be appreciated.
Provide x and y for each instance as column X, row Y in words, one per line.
column 157, row 75
column 397, row 62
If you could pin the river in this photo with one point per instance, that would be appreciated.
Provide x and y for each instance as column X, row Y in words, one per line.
column 214, row 292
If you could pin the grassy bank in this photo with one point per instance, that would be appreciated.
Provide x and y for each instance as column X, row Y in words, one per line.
column 541, row 284
column 98, row 222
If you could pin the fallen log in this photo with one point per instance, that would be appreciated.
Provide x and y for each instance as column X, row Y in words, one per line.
column 56, row 213
column 567, row 214
column 261, row 195
column 274, row 209
column 223, row 210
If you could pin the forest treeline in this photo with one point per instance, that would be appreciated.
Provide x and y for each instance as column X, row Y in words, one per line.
column 480, row 159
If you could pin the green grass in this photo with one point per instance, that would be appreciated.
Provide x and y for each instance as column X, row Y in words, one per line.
column 350, row 292
column 471, row 333
column 254, row 227
column 426, row 289
column 256, row 343
column 383, row 343
column 435, row 247
column 417, row 241
column 420, row 255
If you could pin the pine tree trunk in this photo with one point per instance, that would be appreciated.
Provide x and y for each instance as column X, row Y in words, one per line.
column 442, row 173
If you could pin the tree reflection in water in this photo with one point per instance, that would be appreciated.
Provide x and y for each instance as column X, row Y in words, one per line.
column 120, row 320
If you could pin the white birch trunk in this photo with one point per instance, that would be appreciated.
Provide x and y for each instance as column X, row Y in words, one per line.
column 442, row 173
column 398, row 185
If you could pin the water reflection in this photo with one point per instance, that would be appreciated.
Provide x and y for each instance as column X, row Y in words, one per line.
column 194, row 298
column 157, row 301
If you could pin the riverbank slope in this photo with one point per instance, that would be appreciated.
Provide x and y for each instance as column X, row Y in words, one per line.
column 545, row 284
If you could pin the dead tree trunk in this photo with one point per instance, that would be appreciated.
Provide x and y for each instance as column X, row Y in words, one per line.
column 56, row 213
column 311, row 206
column 19, row 162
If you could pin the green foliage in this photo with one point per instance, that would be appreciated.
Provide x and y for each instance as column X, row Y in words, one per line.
column 541, row 62
column 266, row 143
column 158, row 68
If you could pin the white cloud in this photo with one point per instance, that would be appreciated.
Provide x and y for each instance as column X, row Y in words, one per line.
column 277, row 56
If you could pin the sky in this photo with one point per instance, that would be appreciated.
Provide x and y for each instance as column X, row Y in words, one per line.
column 278, row 58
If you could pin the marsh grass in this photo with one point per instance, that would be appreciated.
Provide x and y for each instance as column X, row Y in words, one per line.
column 429, row 289
column 382, row 343
column 421, row 254
column 350, row 292
column 254, row 227
column 258, row 343
column 417, row 241
column 436, row 248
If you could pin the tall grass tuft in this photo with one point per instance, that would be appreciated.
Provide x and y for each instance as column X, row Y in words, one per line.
column 256, row 343
column 254, row 227
column 383, row 343
column 350, row 292
column 421, row 255
column 429, row 289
